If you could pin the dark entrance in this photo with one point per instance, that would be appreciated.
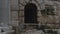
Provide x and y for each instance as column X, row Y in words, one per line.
column 30, row 13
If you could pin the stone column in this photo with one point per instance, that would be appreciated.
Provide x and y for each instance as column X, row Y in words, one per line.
column 4, row 11
column 0, row 10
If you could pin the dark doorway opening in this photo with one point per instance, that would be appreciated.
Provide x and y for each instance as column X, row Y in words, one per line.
column 30, row 13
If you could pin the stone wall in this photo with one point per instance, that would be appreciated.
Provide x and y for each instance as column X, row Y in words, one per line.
column 14, row 12
column 41, row 19
column 17, row 20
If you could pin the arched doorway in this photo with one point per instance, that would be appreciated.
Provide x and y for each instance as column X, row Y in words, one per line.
column 30, row 13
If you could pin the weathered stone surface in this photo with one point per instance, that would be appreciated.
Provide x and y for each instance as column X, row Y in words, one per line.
column 41, row 19
column 14, row 4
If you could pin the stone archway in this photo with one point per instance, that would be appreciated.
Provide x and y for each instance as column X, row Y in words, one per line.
column 30, row 13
